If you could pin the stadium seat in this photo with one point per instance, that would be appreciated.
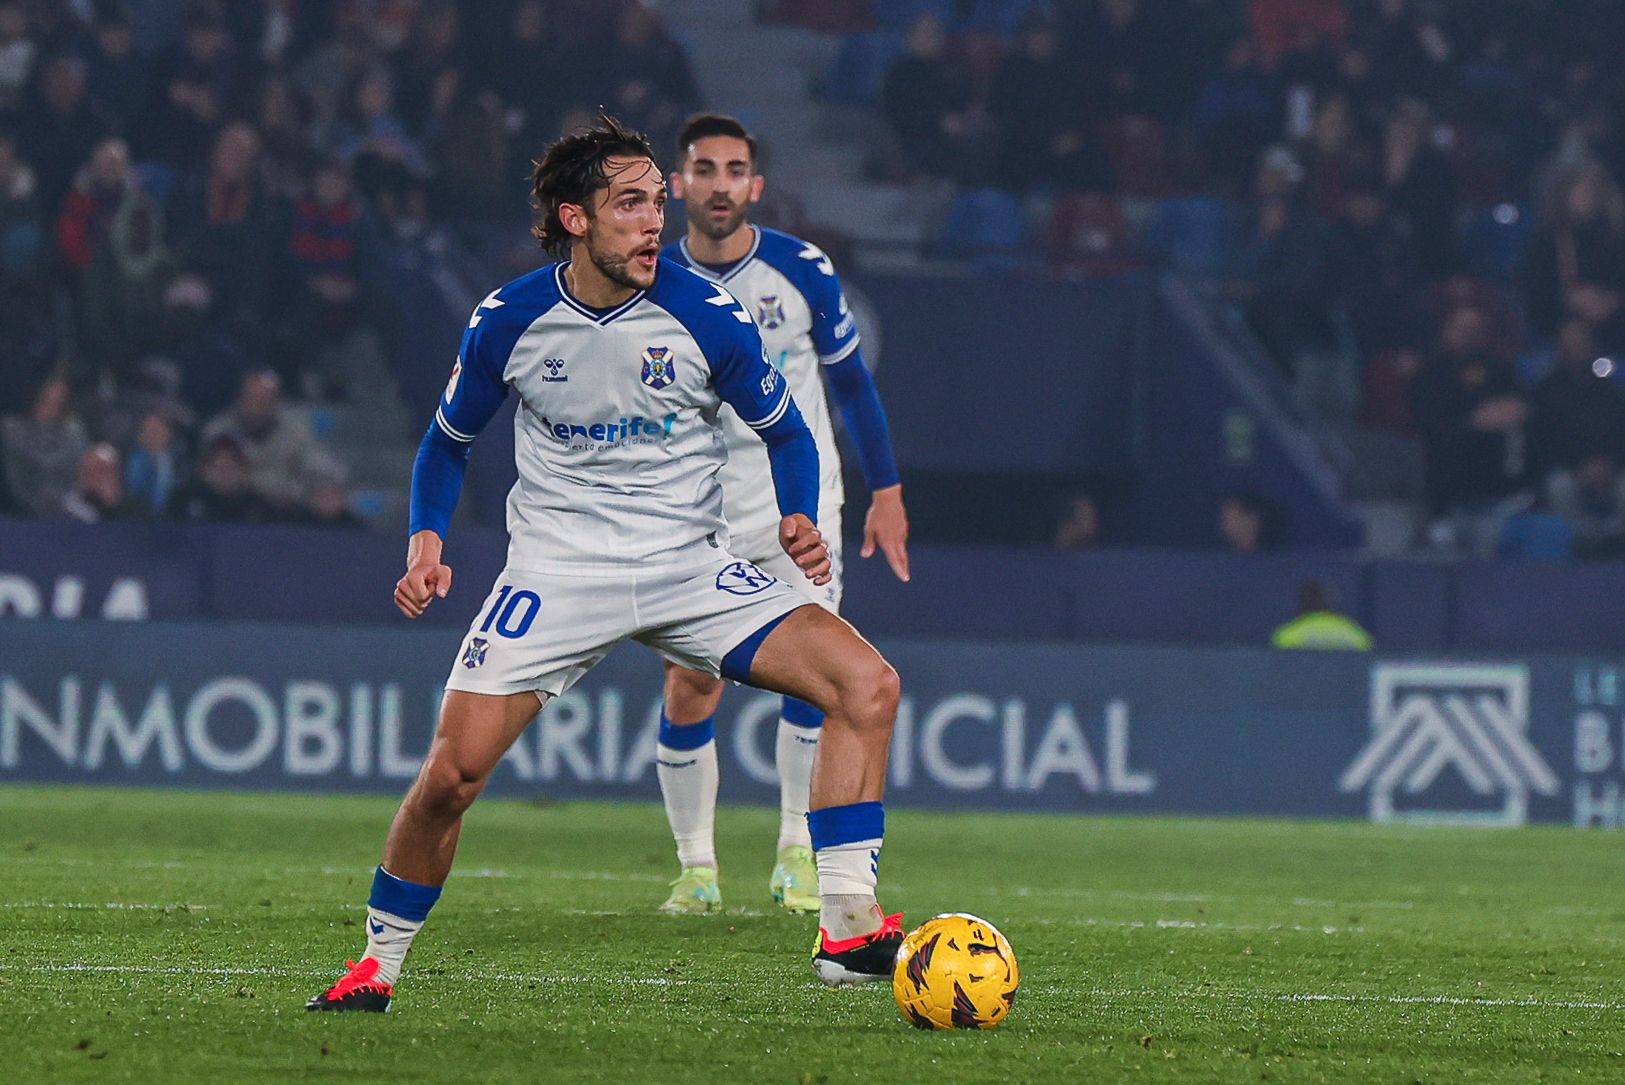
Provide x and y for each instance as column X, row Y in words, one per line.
column 984, row 225
column 1536, row 536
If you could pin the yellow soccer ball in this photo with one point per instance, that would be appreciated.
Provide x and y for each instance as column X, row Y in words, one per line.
column 955, row 971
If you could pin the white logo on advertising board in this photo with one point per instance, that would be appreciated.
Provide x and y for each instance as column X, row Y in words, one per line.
column 1429, row 717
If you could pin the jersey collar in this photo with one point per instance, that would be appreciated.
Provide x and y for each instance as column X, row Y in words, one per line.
column 700, row 269
column 597, row 316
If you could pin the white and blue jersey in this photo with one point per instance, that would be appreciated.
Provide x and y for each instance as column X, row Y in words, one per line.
column 792, row 292
column 617, row 444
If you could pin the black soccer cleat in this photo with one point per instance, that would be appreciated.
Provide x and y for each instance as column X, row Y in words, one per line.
column 357, row 992
column 867, row 958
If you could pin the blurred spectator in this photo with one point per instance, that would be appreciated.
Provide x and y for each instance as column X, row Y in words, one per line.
column 98, row 489
column 1591, row 500
column 1236, row 112
column 116, row 74
column 1577, row 411
column 535, row 71
column 429, row 63
column 1249, row 523
column 1373, row 270
column 42, row 449
column 469, row 143
column 1079, row 528
column 372, row 128
column 18, row 53
column 1122, row 41
column 283, row 121
column 62, row 128
column 1281, row 281
column 647, row 77
column 1045, row 107
column 927, row 100
column 1471, row 415
column 1421, row 185
column 1575, row 263
column 329, row 503
column 198, row 84
column 222, row 492
column 281, row 452
column 1319, row 626
column 154, row 470
column 330, row 253
column 101, row 188
column 225, row 229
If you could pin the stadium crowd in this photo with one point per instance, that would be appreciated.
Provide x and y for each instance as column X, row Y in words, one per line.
column 1413, row 204
column 193, row 234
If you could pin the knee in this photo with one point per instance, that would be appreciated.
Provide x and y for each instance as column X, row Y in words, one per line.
column 869, row 697
column 690, row 692
column 445, row 790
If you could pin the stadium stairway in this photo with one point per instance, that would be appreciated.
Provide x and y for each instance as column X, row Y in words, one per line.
column 763, row 74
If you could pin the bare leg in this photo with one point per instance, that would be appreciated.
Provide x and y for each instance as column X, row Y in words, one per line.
column 819, row 658
column 475, row 730
column 691, row 696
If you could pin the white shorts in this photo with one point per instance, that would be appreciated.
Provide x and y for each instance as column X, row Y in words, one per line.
column 544, row 631
column 762, row 548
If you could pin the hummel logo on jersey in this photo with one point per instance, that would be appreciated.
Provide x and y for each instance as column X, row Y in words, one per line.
column 658, row 367
column 555, row 370
column 769, row 311
column 743, row 578
column 636, row 430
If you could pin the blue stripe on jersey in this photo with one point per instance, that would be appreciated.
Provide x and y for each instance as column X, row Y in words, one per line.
column 736, row 664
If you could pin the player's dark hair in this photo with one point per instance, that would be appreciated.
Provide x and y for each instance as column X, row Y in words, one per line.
column 704, row 125
column 573, row 168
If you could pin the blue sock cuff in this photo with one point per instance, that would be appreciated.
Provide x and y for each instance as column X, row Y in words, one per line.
column 686, row 736
column 405, row 899
column 801, row 713
column 836, row 825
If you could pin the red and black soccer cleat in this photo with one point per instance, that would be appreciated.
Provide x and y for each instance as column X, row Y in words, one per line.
column 868, row 958
column 358, row 991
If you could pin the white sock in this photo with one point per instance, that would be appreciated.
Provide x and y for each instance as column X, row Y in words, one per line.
column 849, row 915
column 388, row 939
column 846, row 841
column 795, row 750
column 688, row 784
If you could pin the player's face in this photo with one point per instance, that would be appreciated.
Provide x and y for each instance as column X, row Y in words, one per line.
column 623, row 234
column 718, row 184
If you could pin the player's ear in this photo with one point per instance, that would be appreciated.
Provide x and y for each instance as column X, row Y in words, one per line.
column 757, row 183
column 675, row 182
column 574, row 218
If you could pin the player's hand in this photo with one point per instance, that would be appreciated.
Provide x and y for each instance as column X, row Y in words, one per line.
column 805, row 545
column 886, row 527
column 426, row 579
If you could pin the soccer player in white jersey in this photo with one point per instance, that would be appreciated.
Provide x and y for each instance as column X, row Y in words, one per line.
column 621, row 361
column 791, row 290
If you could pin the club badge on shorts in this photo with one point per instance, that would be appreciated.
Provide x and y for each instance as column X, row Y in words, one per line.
column 475, row 655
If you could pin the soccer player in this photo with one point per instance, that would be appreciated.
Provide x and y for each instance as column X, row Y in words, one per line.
column 621, row 361
column 791, row 289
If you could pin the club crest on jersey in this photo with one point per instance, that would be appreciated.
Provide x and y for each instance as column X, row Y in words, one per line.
column 743, row 578
column 475, row 655
column 658, row 369
column 769, row 311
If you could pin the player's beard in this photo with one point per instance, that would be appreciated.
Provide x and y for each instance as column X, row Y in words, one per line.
column 618, row 267
column 699, row 217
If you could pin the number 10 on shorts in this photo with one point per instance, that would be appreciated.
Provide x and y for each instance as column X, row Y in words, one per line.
column 512, row 612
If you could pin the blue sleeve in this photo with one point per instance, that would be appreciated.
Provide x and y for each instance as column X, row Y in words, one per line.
column 472, row 396
column 859, row 401
column 834, row 332
column 752, row 387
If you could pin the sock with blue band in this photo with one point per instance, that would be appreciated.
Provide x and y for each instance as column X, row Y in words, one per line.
column 395, row 913
column 686, row 765
column 797, row 746
column 847, row 841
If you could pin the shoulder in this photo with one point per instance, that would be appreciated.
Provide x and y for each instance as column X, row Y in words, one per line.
column 674, row 252
column 711, row 314
column 796, row 259
column 521, row 300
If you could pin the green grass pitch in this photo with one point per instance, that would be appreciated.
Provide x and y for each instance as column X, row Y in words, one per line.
column 150, row 936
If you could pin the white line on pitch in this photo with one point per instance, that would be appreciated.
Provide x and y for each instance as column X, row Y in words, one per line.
column 430, row 974
column 112, row 905
column 1183, row 924
column 1390, row 1000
